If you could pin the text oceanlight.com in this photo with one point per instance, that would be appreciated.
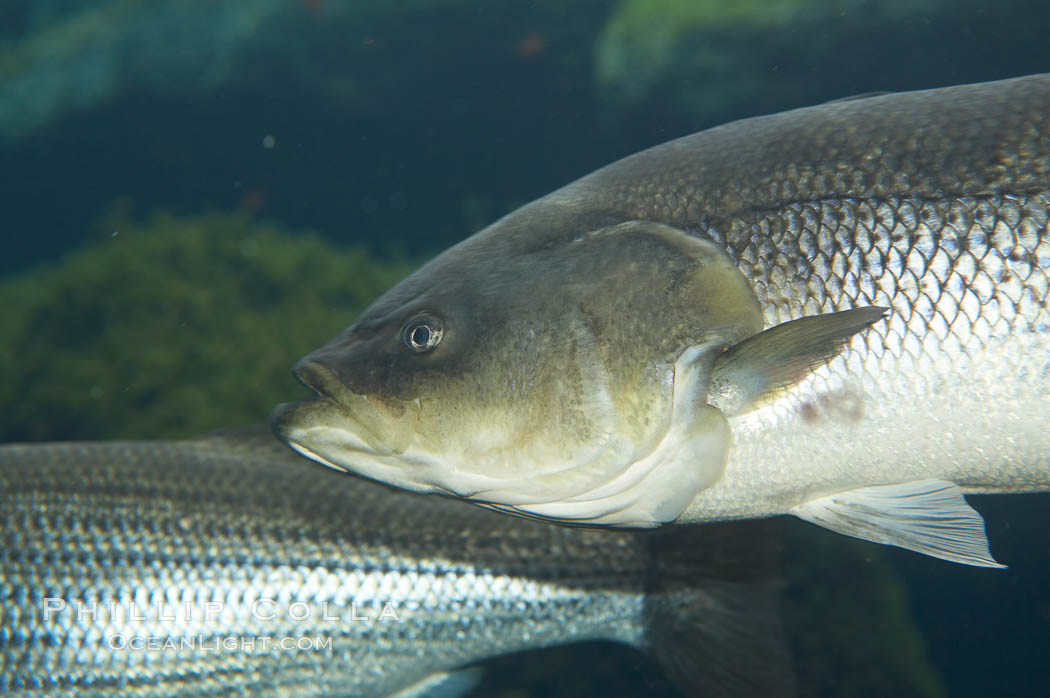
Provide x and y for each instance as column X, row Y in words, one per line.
column 188, row 613
column 201, row 643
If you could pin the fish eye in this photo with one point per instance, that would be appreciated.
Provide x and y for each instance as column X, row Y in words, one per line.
column 421, row 334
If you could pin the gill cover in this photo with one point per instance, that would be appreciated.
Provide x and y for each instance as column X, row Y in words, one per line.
column 686, row 318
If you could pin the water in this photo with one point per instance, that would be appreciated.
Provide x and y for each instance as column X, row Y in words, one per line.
column 399, row 130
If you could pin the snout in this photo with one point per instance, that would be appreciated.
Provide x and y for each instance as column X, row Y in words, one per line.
column 316, row 376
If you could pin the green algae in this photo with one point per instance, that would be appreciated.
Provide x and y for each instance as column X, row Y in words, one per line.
column 717, row 60
column 646, row 42
column 173, row 327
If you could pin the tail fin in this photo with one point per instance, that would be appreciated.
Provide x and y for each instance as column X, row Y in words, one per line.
column 713, row 618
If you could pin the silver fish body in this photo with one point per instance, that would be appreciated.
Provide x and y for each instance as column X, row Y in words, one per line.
column 113, row 555
column 932, row 205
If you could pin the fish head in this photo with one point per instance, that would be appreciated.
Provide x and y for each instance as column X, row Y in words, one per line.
column 562, row 381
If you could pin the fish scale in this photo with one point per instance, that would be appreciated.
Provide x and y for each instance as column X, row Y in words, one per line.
column 934, row 204
column 175, row 524
column 151, row 533
column 962, row 298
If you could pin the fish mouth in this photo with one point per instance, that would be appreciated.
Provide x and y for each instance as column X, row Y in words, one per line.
column 338, row 424
column 328, row 433
column 290, row 420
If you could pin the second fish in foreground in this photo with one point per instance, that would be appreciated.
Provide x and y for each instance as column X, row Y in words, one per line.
column 218, row 566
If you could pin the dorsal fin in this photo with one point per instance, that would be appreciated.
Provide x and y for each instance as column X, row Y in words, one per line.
column 862, row 95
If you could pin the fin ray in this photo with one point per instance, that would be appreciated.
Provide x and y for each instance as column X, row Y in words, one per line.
column 927, row 516
column 761, row 366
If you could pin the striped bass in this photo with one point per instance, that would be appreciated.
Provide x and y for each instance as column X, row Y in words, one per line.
column 838, row 312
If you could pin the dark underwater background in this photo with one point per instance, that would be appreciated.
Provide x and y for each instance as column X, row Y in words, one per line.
column 193, row 193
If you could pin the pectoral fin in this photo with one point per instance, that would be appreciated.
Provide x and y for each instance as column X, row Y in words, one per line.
column 761, row 366
column 927, row 516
